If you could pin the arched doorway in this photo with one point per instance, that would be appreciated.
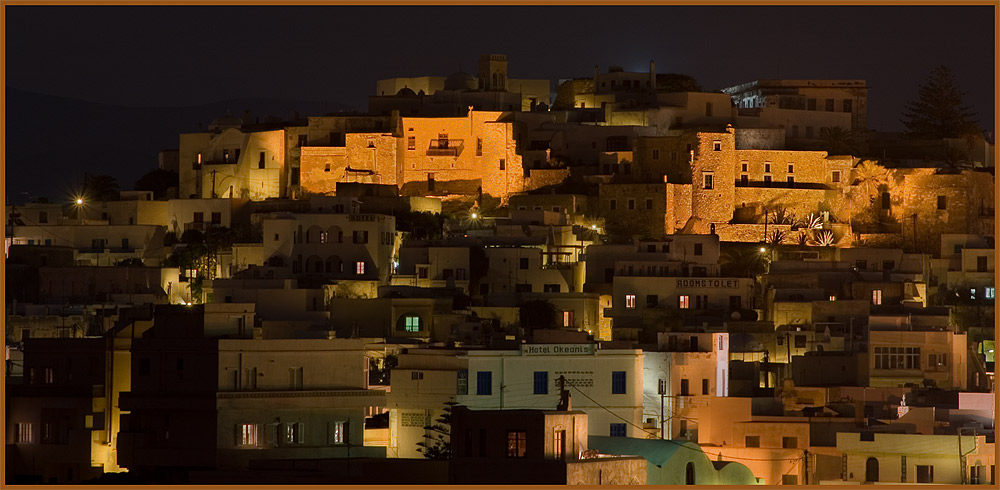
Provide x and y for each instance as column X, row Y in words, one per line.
column 689, row 473
column 871, row 469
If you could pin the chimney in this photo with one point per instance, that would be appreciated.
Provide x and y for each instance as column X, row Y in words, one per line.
column 652, row 75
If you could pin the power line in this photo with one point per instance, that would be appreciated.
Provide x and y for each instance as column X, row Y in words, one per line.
column 700, row 449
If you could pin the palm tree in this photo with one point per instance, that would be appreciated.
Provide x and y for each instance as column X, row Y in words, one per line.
column 870, row 179
column 742, row 260
column 838, row 141
column 100, row 188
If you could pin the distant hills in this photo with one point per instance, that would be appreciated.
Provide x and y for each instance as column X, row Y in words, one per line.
column 51, row 141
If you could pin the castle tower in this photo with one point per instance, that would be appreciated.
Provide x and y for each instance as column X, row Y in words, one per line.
column 493, row 72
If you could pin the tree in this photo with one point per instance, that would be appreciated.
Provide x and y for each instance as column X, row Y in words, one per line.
column 938, row 111
column 539, row 314
column 838, row 141
column 437, row 443
column 743, row 260
column 157, row 181
column 100, row 188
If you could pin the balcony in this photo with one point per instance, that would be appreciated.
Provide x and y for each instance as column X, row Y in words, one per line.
column 445, row 147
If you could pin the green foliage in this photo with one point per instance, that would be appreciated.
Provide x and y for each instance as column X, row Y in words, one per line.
column 743, row 260
column 938, row 111
column 437, row 437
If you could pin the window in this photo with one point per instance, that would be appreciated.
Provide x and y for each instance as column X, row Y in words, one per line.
column 338, row 432
column 523, row 263
column 684, row 302
column 790, row 442
column 558, row 444
column 888, row 265
column 359, row 267
column 861, row 264
column 430, row 181
column 743, row 166
column 23, row 433
column 568, row 320
column 847, row 105
column 411, row 142
column 327, row 168
column 981, row 263
column 990, row 292
column 708, row 181
column 541, row 382
column 617, row 430
column 295, row 378
column 767, row 181
column 790, row 180
column 43, row 217
column 791, row 168
column 411, row 323
column 876, row 296
column 717, row 145
column 261, row 162
column 479, row 147
column 462, row 382
column 685, row 388
column 630, row 301
column 248, row 435
column 744, row 180
column 360, row 236
column 652, row 300
column 631, row 204
column 800, row 341
column 517, row 444
column 416, row 375
column 484, row 383
column 295, row 433
column 942, row 202
column 753, row 441
column 656, row 154
column 897, row 358
column 649, row 204
column 618, row 382
column 697, row 249
column 503, row 164
column 925, row 474
column 199, row 217
column 613, row 204
column 704, row 386
column 836, row 176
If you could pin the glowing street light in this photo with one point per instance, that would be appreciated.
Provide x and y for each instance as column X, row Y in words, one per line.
column 762, row 250
column 79, row 201
column 475, row 215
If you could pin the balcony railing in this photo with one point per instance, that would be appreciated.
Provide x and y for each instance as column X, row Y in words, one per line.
column 442, row 147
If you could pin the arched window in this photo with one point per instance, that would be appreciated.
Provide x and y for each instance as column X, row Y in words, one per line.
column 689, row 474
column 871, row 469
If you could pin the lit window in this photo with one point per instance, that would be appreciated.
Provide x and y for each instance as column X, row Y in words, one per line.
column 685, row 302
column 972, row 293
column 337, row 432
column 23, row 435
column 630, row 301
column 323, row 237
column 411, row 324
column 876, row 296
column 295, row 433
column 359, row 267
column 833, row 298
column 990, row 292
column 517, row 446
column 248, row 435
column 568, row 318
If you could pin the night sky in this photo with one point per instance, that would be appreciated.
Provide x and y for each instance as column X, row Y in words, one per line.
column 183, row 56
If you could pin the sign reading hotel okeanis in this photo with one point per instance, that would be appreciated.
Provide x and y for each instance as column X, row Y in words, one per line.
column 557, row 349
column 708, row 283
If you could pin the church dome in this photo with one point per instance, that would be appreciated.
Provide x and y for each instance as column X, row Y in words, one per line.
column 460, row 81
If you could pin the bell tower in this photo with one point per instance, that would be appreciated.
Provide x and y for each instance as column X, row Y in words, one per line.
column 493, row 72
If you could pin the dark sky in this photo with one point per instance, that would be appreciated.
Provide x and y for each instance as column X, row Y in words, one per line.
column 169, row 56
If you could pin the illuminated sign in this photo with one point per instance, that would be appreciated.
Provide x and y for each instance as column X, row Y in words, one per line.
column 708, row 283
column 557, row 349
